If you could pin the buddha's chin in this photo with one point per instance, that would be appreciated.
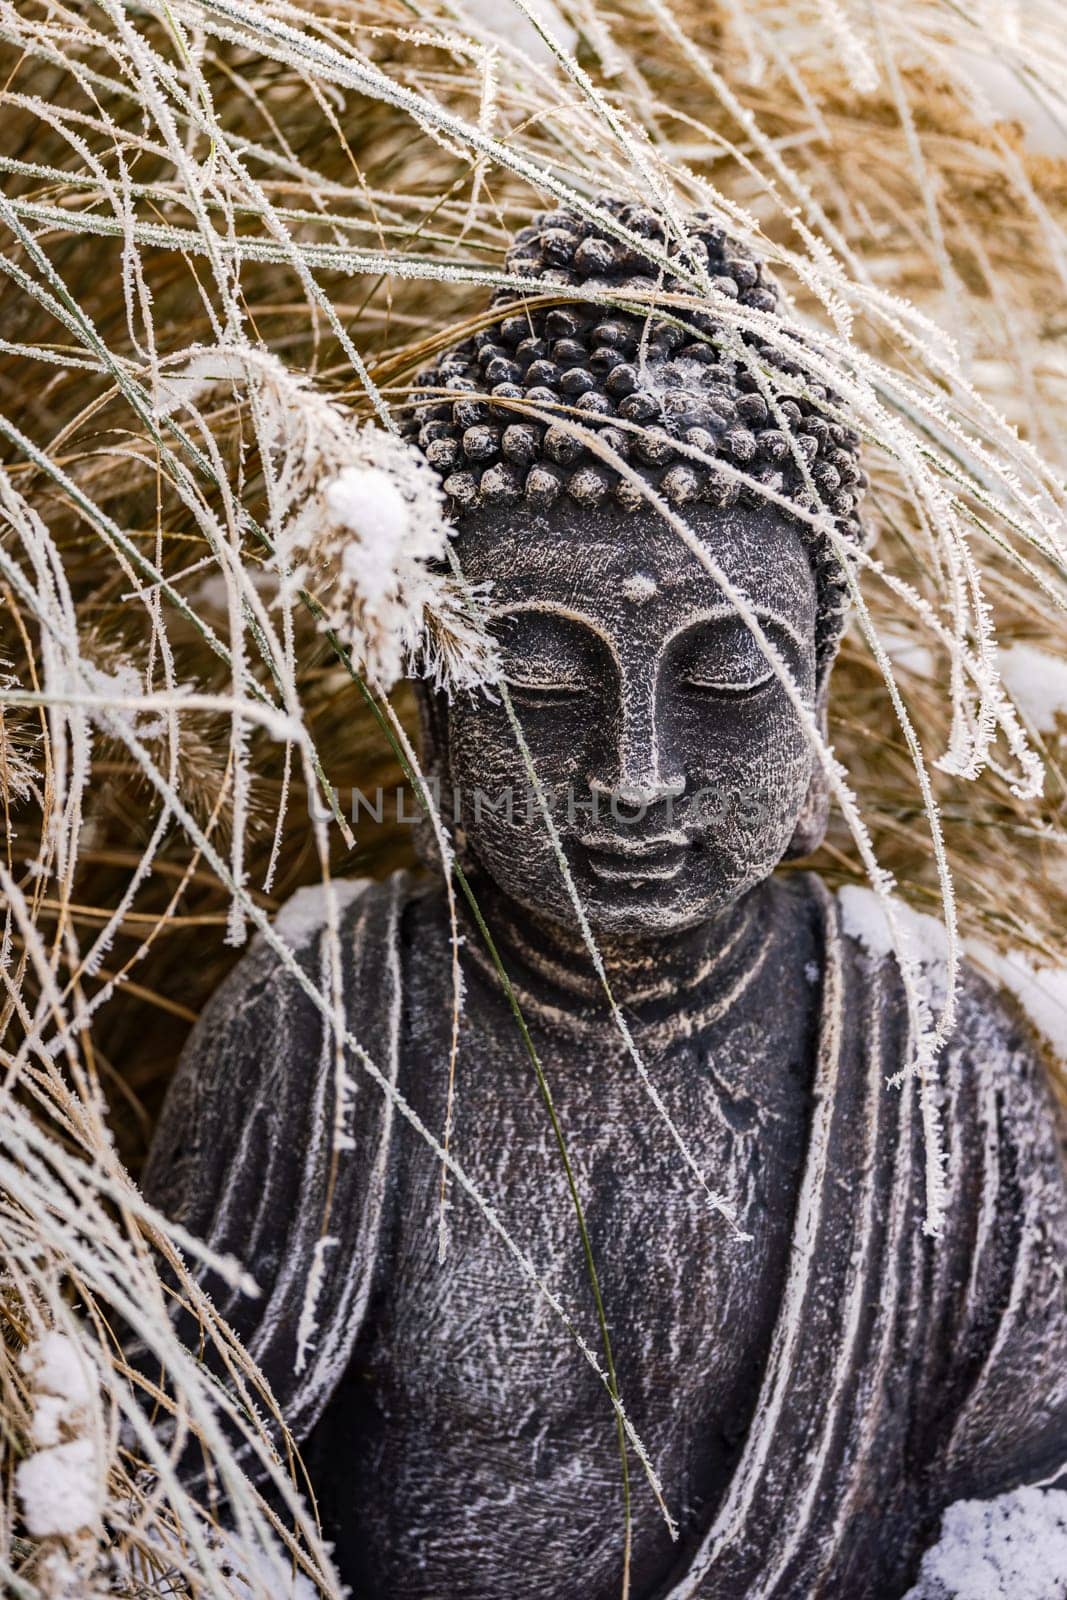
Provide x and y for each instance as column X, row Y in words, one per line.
column 647, row 907
column 642, row 910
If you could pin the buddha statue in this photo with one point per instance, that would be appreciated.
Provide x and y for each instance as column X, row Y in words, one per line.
column 813, row 1376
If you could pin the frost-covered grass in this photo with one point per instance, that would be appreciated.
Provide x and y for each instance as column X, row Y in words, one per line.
column 232, row 231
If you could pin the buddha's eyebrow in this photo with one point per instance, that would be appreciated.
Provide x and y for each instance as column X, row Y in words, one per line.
column 550, row 608
column 763, row 614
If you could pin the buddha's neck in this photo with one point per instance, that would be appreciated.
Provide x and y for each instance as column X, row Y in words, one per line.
column 545, row 956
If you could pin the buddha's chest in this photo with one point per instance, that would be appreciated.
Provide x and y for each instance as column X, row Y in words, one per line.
column 476, row 1424
column 490, row 1351
column 679, row 1283
column 475, row 1362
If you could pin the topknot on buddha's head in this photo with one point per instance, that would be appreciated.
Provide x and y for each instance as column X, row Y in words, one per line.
column 695, row 401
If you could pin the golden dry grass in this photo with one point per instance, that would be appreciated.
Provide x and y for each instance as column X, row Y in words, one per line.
column 913, row 190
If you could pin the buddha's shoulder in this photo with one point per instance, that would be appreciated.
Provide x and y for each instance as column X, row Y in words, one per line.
column 278, row 997
column 253, row 1065
column 994, row 1045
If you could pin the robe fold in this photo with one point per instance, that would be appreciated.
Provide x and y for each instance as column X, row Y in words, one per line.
column 878, row 1375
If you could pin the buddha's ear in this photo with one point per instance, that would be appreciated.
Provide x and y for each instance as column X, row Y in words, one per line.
column 815, row 812
column 433, row 758
column 433, row 716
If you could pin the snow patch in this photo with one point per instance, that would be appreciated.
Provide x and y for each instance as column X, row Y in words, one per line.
column 1041, row 991
column 367, row 502
column 863, row 916
column 1010, row 1548
column 1003, row 95
column 54, row 1365
column 1037, row 682
column 305, row 912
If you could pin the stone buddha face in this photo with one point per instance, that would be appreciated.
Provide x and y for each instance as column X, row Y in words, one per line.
column 674, row 762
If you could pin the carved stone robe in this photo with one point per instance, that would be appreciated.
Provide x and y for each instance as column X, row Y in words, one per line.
column 811, row 1396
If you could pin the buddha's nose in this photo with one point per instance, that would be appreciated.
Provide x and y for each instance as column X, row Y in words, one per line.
column 644, row 772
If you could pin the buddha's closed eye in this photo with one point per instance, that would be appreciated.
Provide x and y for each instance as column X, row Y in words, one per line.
column 721, row 658
column 544, row 692
column 548, row 659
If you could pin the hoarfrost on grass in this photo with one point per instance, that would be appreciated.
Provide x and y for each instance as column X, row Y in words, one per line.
column 304, row 439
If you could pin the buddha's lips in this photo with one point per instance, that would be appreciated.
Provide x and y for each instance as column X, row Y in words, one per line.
column 630, row 861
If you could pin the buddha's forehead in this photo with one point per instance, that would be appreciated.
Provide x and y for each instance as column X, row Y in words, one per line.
column 633, row 571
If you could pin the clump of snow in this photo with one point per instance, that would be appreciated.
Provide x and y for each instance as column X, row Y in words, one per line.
column 59, row 1485
column 1037, row 682
column 305, row 912
column 367, row 501
column 355, row 513
column 1041, row 991
column 1010, row 1548
column 380, row 540
column 62, row 1384
column 55, row 1365
column 60, row 1489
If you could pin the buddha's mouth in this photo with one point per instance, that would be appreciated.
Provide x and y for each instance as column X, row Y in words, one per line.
column 623, row 861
